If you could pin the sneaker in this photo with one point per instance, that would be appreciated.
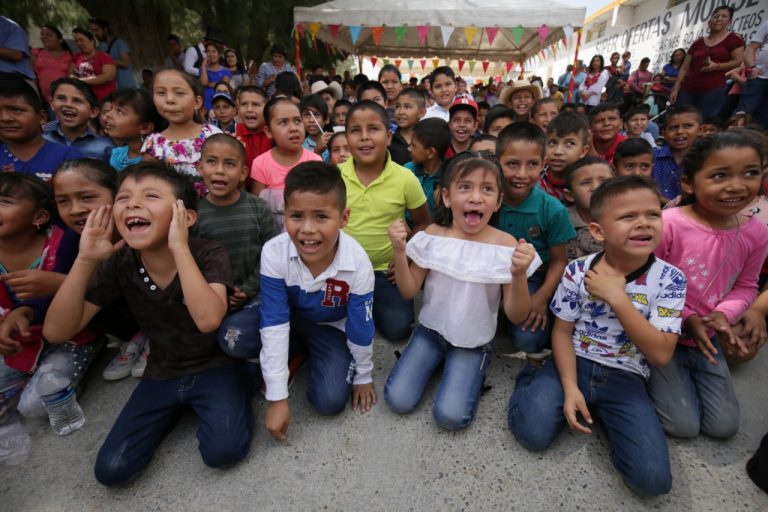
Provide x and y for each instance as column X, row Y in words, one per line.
column 295, row 364
column 120, row 366
column 141, row 363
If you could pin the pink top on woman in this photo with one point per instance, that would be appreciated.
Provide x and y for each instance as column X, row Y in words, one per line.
column 49, row 68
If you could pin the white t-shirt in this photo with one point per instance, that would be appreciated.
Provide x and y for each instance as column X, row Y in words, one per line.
column 657, row 291
column 438, row 112
column 761, row 59
column 462, row 290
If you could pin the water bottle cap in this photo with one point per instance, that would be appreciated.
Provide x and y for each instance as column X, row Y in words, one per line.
column 45, row 368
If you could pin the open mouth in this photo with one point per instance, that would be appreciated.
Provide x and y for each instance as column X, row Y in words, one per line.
column 518, row 186
column 309, row 246
column 137, row 224
column 473, row 217
column 218, row 184
column 68, row 115
column 732, row 201
column 641, row 239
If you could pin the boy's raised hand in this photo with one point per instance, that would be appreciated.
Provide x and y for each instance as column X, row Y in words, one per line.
column 606, row 284
column 398, row 234
column 96, row 241
column 363, row 397
column 278, row 419
column 522, row 258
column 178, row 234
column 573, row 405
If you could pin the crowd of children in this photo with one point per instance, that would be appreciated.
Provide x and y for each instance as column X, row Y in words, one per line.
column 226, row 250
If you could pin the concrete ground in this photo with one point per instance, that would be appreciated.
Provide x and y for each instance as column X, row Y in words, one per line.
column 381, row 461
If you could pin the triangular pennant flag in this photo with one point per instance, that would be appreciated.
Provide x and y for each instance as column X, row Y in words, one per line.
column 410, row 64
column 314, row 28
column 377, row 32
column 435, row 63
column 461, row 65
column 509, row 66
column 423, row 30
column 400, row 34
column 491, row 32
column 472, row 66
column 485, row 66
column 469, row 33
column 354, row 33
column 565, row 42
column 300, row 29
column 397, row 63
column 517, row 34
column 543, row 33
column 334, row 30
column 423, row 63
column 373, row 61
column 568, row 31
column 385, row 62
column 446, row 31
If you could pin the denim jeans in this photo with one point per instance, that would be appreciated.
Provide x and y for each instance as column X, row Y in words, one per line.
column 617, row 397
column 527, row 340
column 392, row 314
column 459, row 391
column 710, row 103
column 331, row 368
column 239, row 334
column 754, row 100
column 692, row 395
column 219, row 397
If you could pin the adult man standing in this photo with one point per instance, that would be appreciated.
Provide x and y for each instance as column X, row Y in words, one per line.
column 268, row 71
column 117, row 49
column 14, row 51
column 754, row 96
column 194, row 55
column 175, row 54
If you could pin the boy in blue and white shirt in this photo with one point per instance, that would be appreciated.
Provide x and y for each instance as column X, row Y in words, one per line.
column 317, row 284
column 616, row 312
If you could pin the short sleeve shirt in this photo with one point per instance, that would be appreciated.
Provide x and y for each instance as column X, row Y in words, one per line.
column 697, row 81
column 124, row 76
column 183, row 155
column 657, row 291
column 666, row 172
column 540, row 219
column 266, row 170
column 44, row 164
column 761, row 37
column 177, row 347
column 14, row 37
column 375, row 207
column 87, row 67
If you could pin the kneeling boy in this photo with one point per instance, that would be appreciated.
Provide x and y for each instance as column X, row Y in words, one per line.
column 317, row 286
column 616, row 312
column 176, row 288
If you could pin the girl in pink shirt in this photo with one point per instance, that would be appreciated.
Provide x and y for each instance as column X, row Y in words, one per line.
column 721, row 253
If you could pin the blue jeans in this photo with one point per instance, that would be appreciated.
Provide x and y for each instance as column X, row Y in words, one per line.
column 710, row 103
column 331, row 368
column 754, row 100
column 459, row 391
column 692, row 395
column 392, row 314
column 239, row 334
column 527, row 340
column 617, row 397
column 219, row 397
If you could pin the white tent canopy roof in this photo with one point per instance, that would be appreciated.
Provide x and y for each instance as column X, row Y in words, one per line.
column 442, row 16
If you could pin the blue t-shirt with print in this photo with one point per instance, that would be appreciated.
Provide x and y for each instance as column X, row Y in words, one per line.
column 44, row 164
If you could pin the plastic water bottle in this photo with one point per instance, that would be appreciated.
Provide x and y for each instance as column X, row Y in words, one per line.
column 57, row 394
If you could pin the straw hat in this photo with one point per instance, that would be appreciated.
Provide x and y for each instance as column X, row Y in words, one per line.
column 320, row 86
column 519, row 85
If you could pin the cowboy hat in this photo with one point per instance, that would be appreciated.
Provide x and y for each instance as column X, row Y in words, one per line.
column 519, row 85
column 320, row 86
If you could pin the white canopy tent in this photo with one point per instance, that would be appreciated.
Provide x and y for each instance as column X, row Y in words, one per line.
column 494, row 30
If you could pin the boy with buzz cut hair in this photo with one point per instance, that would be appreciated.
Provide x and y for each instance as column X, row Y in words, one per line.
column 617, row 312
column 582, row 179
column 242, row 223
column 681, row 131
column 22, row 146
column 340, row 109
column 430, row 142
column 634, row 156
column 316, row 285
column 75, row 106
column 567, row 142
column 529, row 213
column 410, row 106
column 176, row 289
column 605, row 125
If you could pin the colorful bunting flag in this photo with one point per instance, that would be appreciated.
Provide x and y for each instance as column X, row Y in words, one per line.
column 423, row 30
column 314, row 28
column 423, row 63
column 354, row 33
column 410, row 64
column 565, row 42
column 377, row 32
column 568, row 31
column 373, row 61
column 491, row 32
column 485, row 66
column 446, row 31
column 543, row 33
column 517, row 34
column 334, row 30
column 469, row 33
column 385, row 62
column 461, row 65
column 509, row 66
column 472, row 64
column 300, row 30
column 400, row 34
column 435, row 63
column 398, row 62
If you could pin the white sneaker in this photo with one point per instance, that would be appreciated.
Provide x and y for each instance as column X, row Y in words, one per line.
column 120, row 366
column 141, row 363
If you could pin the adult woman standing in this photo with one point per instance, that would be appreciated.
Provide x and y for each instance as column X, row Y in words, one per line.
column 52, row 61
column 93, row 67
column 592, row 87
column 211, row 71
column 701, row 81
column 614, row 88
column 240, row 76
column 672, row 69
